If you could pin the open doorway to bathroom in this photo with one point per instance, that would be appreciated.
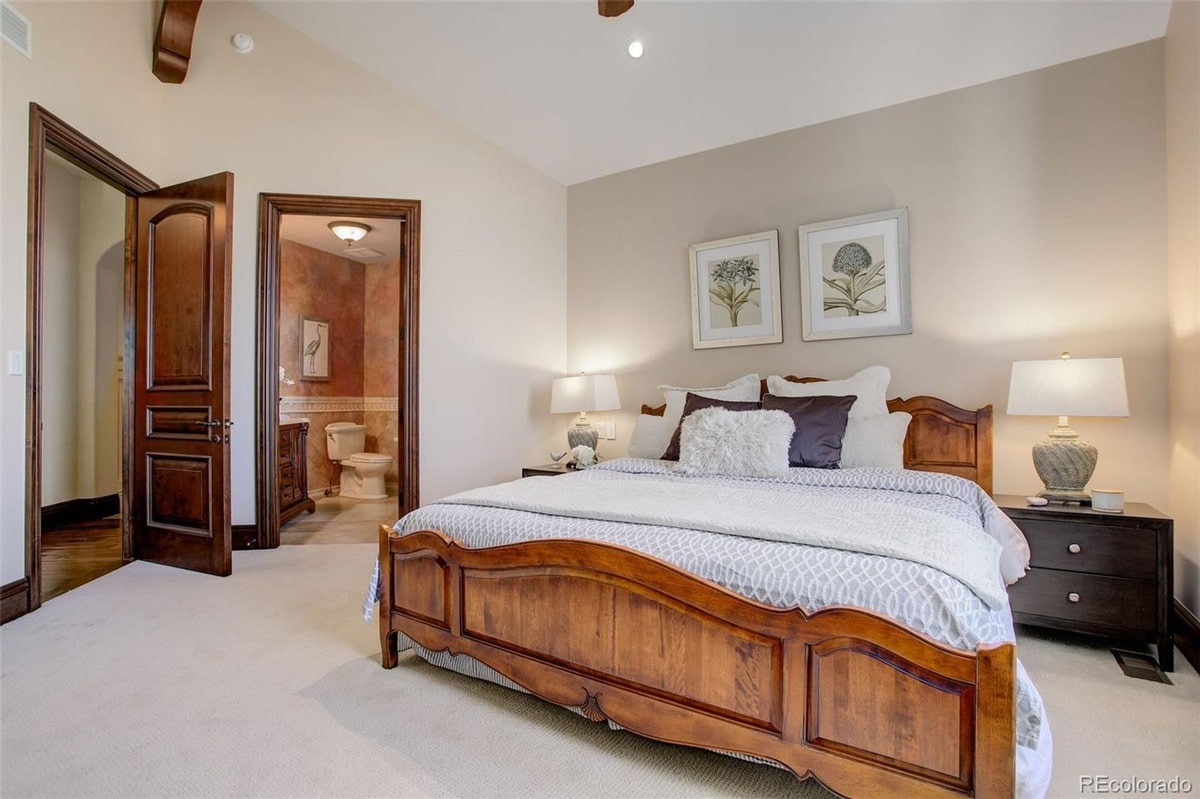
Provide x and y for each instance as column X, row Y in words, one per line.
column 337, row 368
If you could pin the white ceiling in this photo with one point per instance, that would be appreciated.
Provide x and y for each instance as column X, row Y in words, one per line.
column 314, row 232
column 552, row 83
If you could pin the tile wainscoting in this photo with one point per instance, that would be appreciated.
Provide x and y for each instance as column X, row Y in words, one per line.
column 379, row 414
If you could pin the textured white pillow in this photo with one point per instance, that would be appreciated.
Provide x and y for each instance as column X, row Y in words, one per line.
column 744, row 389
column 650, row 437
column 740, row 443
column 869, row 385
column 875, row 441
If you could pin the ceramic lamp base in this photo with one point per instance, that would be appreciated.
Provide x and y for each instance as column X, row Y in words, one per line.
column 583, row 435
column 1065, row 465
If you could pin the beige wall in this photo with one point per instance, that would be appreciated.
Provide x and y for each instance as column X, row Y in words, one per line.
column 1183, row 259
column 60, row 325
column 101, row 286
column 1036, row 207
column 289, row 118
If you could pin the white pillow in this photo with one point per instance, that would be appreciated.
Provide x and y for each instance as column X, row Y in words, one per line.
column 875, row 441
column 739, row 443
column 870, row 386
column 744, row 389
column 651, row 435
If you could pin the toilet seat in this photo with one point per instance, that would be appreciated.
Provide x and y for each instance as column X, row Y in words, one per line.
column 370, row 457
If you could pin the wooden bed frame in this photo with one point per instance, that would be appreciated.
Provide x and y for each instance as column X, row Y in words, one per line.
column 863, row 704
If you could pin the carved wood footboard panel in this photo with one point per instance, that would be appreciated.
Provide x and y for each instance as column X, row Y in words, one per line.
column 865, row 705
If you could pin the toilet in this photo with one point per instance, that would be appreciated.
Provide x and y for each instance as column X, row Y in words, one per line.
column 362, row 472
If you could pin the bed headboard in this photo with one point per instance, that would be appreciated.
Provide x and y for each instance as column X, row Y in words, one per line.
column 942, row 437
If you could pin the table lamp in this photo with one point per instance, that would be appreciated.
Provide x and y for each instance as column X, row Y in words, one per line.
column 1065, row 388
column 580, row 394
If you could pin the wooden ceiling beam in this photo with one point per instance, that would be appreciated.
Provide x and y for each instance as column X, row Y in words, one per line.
column 614, row 8
column 173, row 41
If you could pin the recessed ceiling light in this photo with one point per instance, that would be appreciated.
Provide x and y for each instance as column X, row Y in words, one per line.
column 636, row 48
column 242, row 42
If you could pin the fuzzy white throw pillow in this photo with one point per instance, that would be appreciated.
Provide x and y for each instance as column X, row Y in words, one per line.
column 738, row 443
column 875, row 441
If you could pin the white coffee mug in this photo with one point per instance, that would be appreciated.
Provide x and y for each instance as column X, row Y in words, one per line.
column 1108, row 500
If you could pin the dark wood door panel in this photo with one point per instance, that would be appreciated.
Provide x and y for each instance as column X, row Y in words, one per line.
column 181, row 379
column 179, row 278
column 179, row 494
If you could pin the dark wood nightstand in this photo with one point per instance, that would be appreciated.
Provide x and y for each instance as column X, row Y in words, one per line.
column 546, row 470
column 1105, row 574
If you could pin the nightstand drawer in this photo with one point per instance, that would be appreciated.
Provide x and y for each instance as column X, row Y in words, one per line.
column 1108, row 601
column 1094, row 548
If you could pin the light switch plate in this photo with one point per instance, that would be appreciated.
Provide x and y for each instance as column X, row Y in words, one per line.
column 16, row 362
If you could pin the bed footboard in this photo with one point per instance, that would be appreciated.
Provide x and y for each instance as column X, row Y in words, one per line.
column 865, row 705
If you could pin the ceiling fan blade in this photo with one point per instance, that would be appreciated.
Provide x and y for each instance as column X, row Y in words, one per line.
column 614, row 8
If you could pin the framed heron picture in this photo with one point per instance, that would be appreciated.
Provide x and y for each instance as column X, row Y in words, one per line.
column 735, row 291
column 854, row 277
column 314, row 349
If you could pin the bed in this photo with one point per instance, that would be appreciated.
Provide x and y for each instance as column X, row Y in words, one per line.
column 648, row 635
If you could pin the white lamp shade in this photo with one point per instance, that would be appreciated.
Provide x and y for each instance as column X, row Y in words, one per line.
column 1068, row 387
column 583, row 393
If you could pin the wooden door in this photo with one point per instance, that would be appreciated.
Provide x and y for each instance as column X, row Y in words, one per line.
column 180, row 502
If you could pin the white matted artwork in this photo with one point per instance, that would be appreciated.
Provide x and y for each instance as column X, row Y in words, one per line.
column 854, row 277
column 314, row 349
column 735, row 291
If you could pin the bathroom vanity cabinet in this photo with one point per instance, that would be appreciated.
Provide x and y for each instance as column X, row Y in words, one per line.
column 293, row 471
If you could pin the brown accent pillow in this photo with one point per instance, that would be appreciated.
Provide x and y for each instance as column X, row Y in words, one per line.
column 820, row 426
column 695, row 402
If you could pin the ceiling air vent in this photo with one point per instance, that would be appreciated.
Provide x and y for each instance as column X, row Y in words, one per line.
column 16, row 30
column 362, row 253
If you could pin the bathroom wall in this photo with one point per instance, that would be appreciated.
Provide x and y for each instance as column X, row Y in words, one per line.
column 317, row 285
column 381, row 365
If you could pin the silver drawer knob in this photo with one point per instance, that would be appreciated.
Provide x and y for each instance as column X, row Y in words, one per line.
column 1072, row 597
column 1074, row 549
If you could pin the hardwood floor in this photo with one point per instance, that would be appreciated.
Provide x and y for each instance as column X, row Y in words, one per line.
column 79, row 553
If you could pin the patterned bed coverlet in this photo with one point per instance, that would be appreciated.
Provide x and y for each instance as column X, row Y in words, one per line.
column 786, row 574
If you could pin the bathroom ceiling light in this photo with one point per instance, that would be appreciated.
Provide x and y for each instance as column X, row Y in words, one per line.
column 636, row 48
column 349, row 232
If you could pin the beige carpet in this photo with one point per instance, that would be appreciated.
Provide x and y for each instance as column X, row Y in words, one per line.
column 157, row 682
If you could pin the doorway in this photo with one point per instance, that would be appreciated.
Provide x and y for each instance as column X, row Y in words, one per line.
column 58, row 152
column 175, row 254
column 82, row 335
column 337, row 367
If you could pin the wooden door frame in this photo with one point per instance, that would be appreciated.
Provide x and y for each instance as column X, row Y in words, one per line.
column 271, row 208
column 48, row 131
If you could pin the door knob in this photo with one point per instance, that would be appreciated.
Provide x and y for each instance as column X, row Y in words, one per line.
column 213, row 423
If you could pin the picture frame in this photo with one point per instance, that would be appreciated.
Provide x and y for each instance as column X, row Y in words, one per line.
column 314, row 349
column 854, row 278
column 735, row 291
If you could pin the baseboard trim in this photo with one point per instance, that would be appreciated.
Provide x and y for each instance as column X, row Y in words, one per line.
column 14, row 600
column 244, row 536
column 74, row 511
column 1186, row 627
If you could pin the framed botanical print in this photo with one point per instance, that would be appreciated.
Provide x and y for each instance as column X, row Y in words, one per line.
column 854, row 277
column 735, row 291
column 314, row 349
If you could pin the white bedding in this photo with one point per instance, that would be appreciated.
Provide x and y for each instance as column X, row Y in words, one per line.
column 783, row 573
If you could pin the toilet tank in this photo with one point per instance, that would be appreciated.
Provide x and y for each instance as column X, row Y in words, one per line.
column 343, row 439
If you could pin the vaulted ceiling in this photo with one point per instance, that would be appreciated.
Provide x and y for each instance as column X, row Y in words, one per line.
column 552, row 82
